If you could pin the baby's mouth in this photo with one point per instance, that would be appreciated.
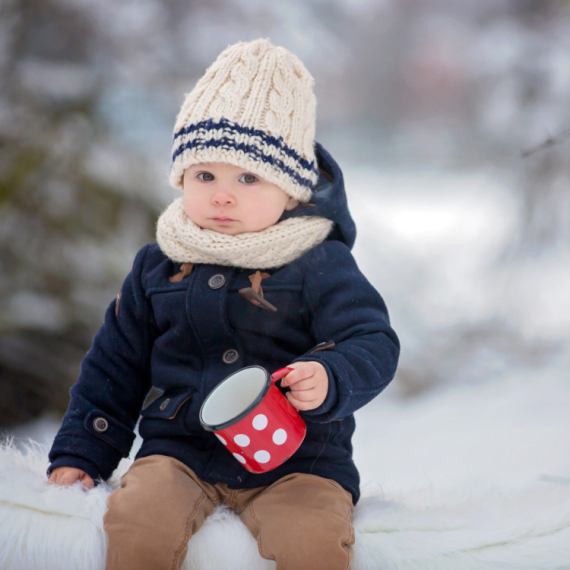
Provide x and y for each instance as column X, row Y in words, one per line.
column 223, row 219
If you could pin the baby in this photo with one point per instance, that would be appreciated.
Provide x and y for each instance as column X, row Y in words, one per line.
column 251, row 266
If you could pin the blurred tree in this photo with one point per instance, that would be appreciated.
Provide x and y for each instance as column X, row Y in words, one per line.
column 62, row 216
column 545, row 76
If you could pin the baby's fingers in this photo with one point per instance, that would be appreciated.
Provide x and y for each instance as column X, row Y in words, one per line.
column 87, row 481
column 68, row 476
column 294, row 377
column 65, row 477
column 303, row 385
column 302, row 405
column 304, row 395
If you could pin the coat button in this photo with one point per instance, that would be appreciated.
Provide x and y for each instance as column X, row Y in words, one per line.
column 100, row 424
column 230, row 356
column 216, row 281
column 165, row 403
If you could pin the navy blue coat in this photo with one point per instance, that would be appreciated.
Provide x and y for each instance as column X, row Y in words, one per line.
column 173, row 336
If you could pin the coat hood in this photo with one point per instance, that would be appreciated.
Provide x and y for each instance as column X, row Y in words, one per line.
column 329, row 199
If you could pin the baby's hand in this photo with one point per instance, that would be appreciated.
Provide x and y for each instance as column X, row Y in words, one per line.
column 309, row 384
column 69, row 475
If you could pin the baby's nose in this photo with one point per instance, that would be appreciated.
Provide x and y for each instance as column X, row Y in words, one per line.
column 223, row 198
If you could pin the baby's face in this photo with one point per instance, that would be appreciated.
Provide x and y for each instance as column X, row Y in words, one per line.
column 230, row 200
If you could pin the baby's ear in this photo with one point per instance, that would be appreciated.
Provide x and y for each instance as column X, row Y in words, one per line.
column 291, row 204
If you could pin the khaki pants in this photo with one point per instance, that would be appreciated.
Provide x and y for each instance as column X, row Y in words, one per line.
column 301, row 521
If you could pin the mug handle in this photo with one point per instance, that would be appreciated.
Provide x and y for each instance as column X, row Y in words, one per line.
column 281, row 373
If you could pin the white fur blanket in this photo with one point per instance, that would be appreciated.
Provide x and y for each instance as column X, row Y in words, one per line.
column 48, row 528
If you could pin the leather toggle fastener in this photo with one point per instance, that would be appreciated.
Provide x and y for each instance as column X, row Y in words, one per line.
column 118, row 303
column 249, row 294
column 322, row 346
column 254, row 294
column 185, row 270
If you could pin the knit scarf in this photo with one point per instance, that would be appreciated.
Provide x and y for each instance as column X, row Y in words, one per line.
column 184, row 241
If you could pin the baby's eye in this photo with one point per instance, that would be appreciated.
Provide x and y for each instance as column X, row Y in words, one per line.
column 248, row 178
column 206, row 176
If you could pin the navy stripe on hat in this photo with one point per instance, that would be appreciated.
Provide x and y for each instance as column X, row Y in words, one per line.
column 256, row 147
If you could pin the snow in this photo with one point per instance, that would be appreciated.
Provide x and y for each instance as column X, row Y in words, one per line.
column 42, row 431
column 431, row 238
column 504, row 435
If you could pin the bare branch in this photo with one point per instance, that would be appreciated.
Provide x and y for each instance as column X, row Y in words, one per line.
column 549, row 142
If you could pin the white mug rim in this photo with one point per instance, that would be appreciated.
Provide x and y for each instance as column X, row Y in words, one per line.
column 244, row 413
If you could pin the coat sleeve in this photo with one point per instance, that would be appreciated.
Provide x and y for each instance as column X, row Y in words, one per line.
column 346, row 310
column 97, row 430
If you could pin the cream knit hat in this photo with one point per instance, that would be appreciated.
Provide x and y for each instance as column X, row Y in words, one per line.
column 254, row 108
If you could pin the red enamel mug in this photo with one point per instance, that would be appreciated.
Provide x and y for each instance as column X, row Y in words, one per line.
column 253, row 419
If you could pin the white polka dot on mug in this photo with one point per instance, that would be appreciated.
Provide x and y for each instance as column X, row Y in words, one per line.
column 262, row 456
column 242, row 440
column 279, row 436
column 260, row 422
column 240, row 458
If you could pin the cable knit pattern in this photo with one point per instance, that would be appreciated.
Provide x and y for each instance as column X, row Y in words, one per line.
column 254, row 108
column 184, row 241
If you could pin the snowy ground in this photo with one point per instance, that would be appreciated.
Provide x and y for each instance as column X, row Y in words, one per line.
column 503, row 435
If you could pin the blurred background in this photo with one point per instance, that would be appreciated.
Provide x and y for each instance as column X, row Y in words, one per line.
column 451, row 120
